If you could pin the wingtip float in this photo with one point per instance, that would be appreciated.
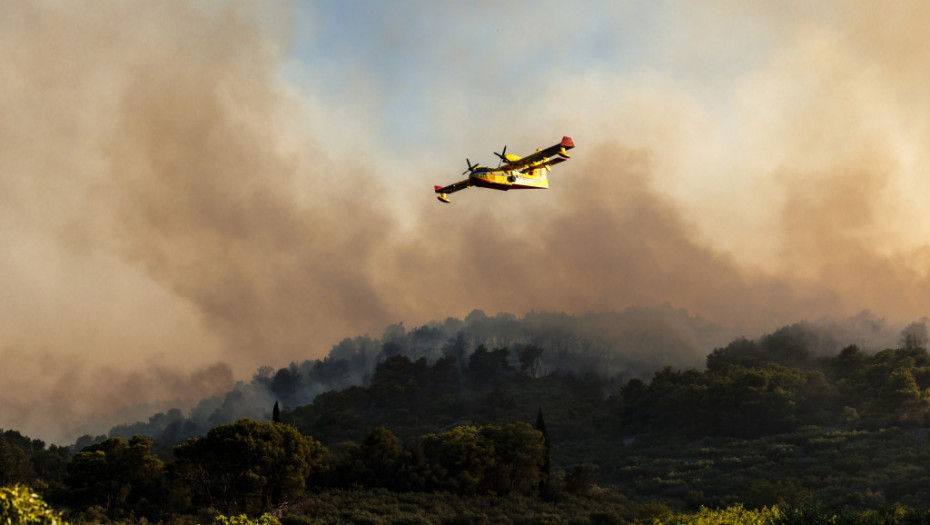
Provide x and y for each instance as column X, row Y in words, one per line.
column 513, row 173
column 442, row 196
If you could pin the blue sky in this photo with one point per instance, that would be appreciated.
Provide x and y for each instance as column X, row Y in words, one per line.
column 414, row 55
column 502, row 57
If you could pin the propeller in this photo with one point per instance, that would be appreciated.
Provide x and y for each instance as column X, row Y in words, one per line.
column 471, row 167
column 502, row 154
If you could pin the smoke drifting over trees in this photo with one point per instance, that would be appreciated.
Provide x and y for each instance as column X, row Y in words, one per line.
column 174, row 200
column 619, row 346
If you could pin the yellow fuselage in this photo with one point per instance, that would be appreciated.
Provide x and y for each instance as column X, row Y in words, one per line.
column 510, row 180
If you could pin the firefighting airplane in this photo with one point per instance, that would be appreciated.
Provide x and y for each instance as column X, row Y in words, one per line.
column 513, row 173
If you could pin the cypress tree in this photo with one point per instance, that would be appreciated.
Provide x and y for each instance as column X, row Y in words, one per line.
column 547, row 462
column 276, row 413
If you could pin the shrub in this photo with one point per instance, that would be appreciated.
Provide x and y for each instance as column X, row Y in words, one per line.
column 242, row 519
column 21, row 506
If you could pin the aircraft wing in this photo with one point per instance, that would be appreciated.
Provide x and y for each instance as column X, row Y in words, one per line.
column 452, row 188
column 443, row 191
column 543, row 164
column 551, row 151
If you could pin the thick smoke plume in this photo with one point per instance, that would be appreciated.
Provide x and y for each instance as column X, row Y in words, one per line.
column 177, row 215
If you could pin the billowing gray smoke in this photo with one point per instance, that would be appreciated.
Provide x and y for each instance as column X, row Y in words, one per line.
column 618, row 346
column 177, row 215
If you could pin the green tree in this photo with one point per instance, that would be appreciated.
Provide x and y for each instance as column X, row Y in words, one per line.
column 848, row 361
column 378, row 459
column 581, row 478
column 14, row 464
column 547, row 460
column 673, row 399
column 901, row 399
column 445, row 377
column 27, row 461
column 519, row 456
column 900, row 388
column 334, row 416
column 249, row 466
column 21, row 506
column 116, row 475
column 490, row 459
column 755, row 401
column 398, row 380
column 51, row 465
column 529, row 360
column 488, row 366
column 458, row 459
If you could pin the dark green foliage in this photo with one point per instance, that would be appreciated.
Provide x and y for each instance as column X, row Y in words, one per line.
column 606, row 344
column 388, row 507
column 546, row 469
column 854, row 469
column 489, row 367
column 465, row 460
column 519, row 453
column 117, row 476
column 580, row 479
column 248, row 466
column 445, row 378
column 378, row 461
column 774, row 422
column 458, row 460
column 851, row 390
column 15, row 466
column 888, row 388
column 334, row 416
column 744, row 394
column 27, row 461
column 790, row 346
column 813, row 514
column 414, row 398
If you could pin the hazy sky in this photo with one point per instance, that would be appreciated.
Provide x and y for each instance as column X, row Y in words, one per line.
column 189, row 190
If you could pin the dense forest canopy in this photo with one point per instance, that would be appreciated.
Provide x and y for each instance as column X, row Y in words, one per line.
column 612, row 345
column 766, row 421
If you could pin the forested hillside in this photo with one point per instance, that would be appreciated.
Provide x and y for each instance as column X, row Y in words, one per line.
column 784, row 419
column 635, row 342
column 615, row 346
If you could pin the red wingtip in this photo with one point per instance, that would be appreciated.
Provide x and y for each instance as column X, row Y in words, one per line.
column 437, row 188
column 567, row 143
